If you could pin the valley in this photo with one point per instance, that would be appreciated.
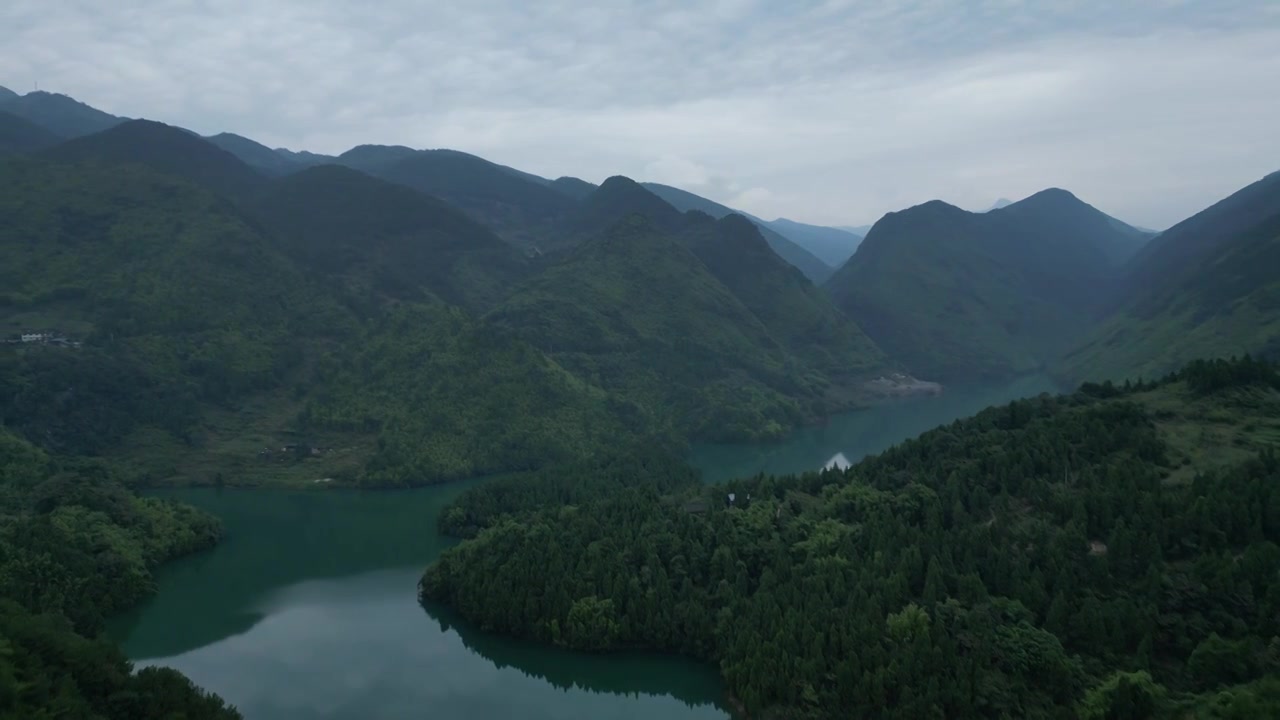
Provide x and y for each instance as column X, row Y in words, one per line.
column 354, row 434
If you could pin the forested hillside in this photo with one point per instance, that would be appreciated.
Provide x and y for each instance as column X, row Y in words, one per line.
column 59, row 114
column 18, row 135
column 1207, row 287
column 960, row 297
column 795, row 312
column 522, row 211
column 806, row 262
column 387, row 241
column 165, row 149
column 75, row 547
column 635, row 312
column 1106, row 554
column 202, row 340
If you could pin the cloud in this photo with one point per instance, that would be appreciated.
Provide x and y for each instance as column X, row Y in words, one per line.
column 677, row 171
column 840, row 110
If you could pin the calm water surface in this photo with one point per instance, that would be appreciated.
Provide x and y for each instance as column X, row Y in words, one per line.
column 309, row 608
column 855, row 435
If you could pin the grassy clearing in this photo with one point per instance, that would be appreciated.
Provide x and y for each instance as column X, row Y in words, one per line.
column 1205, row 433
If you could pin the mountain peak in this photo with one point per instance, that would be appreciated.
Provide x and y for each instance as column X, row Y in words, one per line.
column 619, row 197
column 167, row 149
column 59, row 114
column 6, row 94
column 1000, row 203
column 1053, row 194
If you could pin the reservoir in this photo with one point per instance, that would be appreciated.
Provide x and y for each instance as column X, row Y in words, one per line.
column 309, row 608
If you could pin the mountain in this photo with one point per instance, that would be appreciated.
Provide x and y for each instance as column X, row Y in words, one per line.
column 304, row 158
column 797, row 314
column 1001, row 203
column 963, row 296
column 636, row 312
column 255, row 155
column 18, row 135
column 573, row 187
column 59, row 114
column 205, row 340
column 374, row 158
column 813, row 268
column 166, row 149
column 518, row 209
column 1207, row 287
column 1064, row 226
column 832, row 246
column 616, row 198
column 6, row 95
column 388, row 239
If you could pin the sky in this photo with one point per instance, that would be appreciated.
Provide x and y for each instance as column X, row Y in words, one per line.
column 826, row 111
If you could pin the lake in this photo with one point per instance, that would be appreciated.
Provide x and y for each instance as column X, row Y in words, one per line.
column 309, row 607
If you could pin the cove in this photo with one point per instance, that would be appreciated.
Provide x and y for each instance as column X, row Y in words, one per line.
column 308, row 608
column 854, row 435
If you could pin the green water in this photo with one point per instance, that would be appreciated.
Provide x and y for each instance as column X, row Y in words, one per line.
column 858, row 434
column 308, row 609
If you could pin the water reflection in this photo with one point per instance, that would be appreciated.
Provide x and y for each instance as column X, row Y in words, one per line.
column 309, row 610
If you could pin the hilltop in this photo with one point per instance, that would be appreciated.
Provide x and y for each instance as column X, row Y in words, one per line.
column 165, row 149
column 59, row 114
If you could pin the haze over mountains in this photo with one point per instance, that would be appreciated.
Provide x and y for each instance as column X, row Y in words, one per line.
column 1046, row 284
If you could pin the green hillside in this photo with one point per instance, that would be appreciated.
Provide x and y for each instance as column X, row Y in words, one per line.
column 18, row 135
column 305, row 159
column 797, row 314
column 522, row 211
column 386, row 240
column 636, row 312
column 76, row 547
column 816, row 270
column 573, row 187
column 204, row 342
column 616, row 198
column 1207, row 287
column 255, row 155
column 59, row 114
column 165, row 149
column 1107, row 554
column 961, row 296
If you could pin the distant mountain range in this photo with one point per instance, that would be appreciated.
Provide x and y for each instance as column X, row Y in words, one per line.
column 1044, row 284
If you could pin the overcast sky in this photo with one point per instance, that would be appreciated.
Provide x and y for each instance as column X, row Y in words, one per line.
column 831, row 112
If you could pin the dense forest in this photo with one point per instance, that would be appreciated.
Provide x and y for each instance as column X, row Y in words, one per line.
column 76, row 546
column 1056, row 557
